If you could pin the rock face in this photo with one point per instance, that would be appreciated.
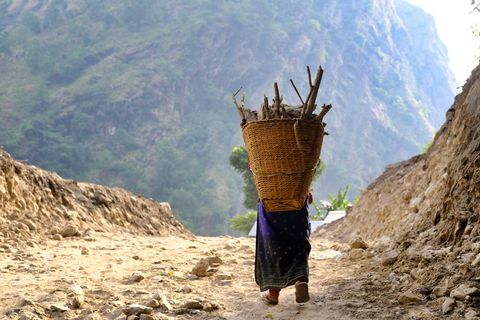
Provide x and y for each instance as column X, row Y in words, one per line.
column 34, row 202
column 428, row 205
column 433, row 193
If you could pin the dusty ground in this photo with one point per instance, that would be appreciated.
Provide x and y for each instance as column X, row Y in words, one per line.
column 95, row 272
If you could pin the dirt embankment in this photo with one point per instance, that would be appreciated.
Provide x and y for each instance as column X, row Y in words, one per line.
column 35, row 203
column 423, row 213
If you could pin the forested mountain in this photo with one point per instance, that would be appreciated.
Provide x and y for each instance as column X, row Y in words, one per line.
column 136, row 93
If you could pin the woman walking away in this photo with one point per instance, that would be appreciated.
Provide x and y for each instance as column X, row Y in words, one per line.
column 281, row 255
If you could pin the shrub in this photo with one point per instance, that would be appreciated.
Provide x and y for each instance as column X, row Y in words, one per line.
column 243, row 222
column 340, row 202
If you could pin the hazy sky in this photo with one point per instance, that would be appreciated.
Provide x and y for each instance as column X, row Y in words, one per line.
column 454, row 24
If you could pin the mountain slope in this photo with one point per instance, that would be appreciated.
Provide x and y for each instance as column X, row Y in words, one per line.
column 136, row 94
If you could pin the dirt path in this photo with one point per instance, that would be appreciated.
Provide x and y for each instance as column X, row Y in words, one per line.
column 42, row 282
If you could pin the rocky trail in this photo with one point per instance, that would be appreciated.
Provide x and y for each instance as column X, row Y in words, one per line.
column 109, row 276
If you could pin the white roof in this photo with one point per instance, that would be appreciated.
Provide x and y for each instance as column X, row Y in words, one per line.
column 332, row 216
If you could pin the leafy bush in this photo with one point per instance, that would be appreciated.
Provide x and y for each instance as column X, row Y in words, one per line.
column 239, row 160
column 319, row 171
column 340, row 202
column 319, row 213
column 243, row 222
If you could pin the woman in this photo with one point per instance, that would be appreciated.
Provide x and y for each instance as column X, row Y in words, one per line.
column 282, row 249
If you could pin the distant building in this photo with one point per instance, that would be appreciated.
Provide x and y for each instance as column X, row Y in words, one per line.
column 332, row 216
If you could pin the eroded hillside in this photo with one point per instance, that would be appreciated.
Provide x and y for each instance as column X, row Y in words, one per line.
column 35, row 203
column 423, row 213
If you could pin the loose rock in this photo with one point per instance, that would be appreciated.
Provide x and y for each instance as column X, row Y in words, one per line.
column 58, row 308
column 31, row 244
column 476, row 261
column 163, row 301
column 153, row 303
column 78, row 296
column 137, row 276
column 471, row 314
column 448, row 305
column 443, row 289
column 209, row 307
column 408, row 298
column 389, row 258
column 186, row 289
column 30, row 224
column 69, row 230
column 201, row 268
column 462, row 291
column 136, row 309
column 358, row 243
column 224, row 276
column 57, row 237
column 193, row 304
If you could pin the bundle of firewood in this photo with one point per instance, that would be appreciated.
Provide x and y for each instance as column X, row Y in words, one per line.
column 280, row 110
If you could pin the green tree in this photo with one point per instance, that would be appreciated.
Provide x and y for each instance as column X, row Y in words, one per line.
column 243, row 222
column 32, row 22
column 137, row 13
column 319, row 171
column 4, row 42
column 239, row 161
column 52, row 18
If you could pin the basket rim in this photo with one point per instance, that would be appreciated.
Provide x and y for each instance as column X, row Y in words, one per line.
column 313, row 121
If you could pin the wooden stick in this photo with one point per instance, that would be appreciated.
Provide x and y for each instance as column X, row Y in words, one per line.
column 236, row 92
column 249, row 115
column 313, row 98
column 239, row 108
column 284, row 112
column 476, row 8
column 276, row 105
column 304, row 107
column 309, row 77
column 296, row 90
column 266, row 112
column 325, row 109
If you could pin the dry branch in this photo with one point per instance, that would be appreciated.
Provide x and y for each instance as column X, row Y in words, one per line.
column 279, row 110
column 325, row 109
column 309, row 77
column 239, row 108
column 296, row 90
column 265, row 108
column 276, row 105
column 314, row 92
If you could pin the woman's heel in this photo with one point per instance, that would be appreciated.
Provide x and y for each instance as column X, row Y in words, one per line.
column 301, row 292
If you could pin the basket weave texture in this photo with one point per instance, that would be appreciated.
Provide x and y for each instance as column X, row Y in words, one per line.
column 283, row 155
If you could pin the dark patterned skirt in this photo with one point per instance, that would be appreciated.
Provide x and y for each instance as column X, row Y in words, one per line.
column 282, row 248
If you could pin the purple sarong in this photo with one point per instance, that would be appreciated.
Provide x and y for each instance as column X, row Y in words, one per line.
column 282, row 248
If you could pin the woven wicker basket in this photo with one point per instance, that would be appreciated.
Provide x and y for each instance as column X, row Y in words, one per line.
column 283, row 155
